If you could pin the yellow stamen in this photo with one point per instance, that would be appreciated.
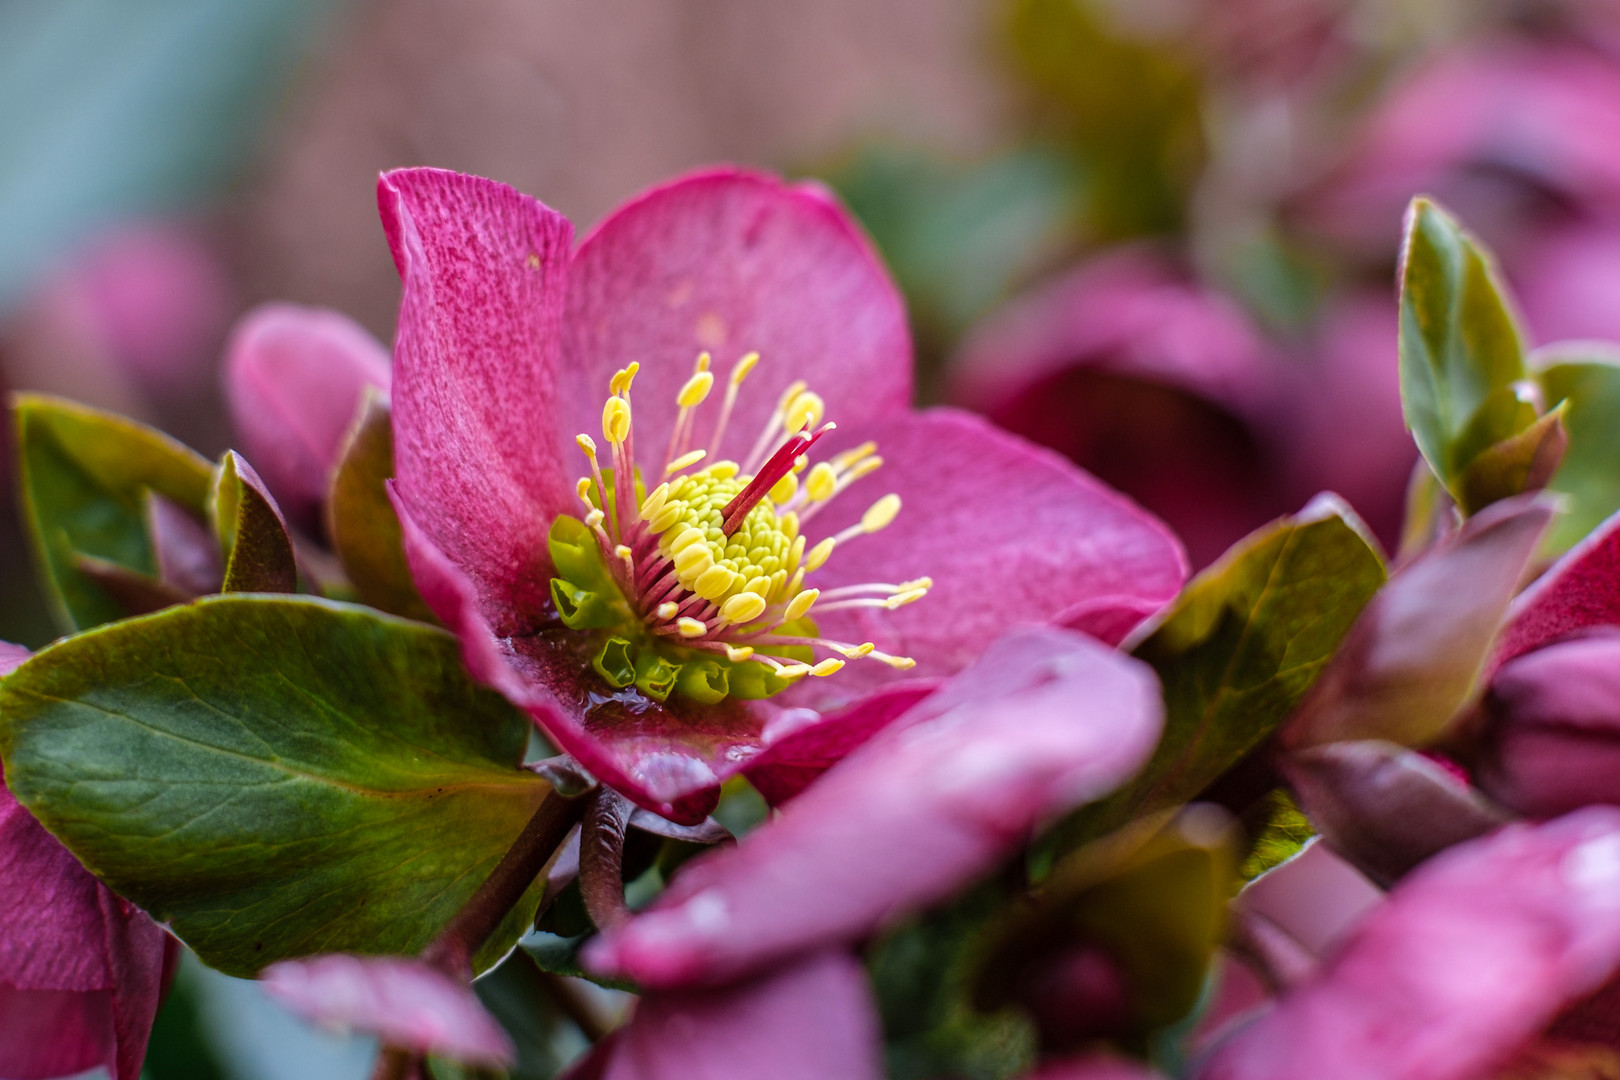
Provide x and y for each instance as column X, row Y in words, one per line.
column 685, row 539
column 594, row 519
column 819, row 554
column 743, row 367
column 653, row 504
column 784, row 489
column 620, row 383
column 880, row 513
column 626, row 557
column 587, row 444
column 804, row 411
column 722, row 470
column 695, row 390
column 667, row 610
column 899, row 663
column 736, row 655
column 854, row 652
column 686, row 460
column 800, row 605
column 822, row 482
column 690, row 628
column 901, row 599
column 616, row 420
column 850, row 457
column 827, row 667
column 742, row 607
column 714, row 582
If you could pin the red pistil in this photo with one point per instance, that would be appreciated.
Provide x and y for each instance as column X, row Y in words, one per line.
column 780, row 464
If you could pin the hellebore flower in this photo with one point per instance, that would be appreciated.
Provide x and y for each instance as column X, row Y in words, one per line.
column 1464, row 965
column 294, row 378
column 81, row 969
column 1160, row 387
column 641, row 594
column 1046, row 720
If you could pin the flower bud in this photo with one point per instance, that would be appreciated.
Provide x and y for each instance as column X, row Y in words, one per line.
column 1551, row 740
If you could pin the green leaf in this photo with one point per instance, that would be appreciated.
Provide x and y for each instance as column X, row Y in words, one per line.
column 360, row 518
column 258, row 550
column 1460, row 345
column 1236, row 652
column 1413, row 661
column 274, row 776
column 84, row 479
column 1586, row 378
column 1519, row 463
column 1281, row 831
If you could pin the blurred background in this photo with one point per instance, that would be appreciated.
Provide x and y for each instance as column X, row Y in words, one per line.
column 1158, row 236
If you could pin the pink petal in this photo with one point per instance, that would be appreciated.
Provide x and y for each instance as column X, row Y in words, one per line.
column 791, row 761
column 1159, row 386
column 1048, row 719
column 1552, row 740
column 294, row 377
column 80, row 968
column 478, row 461
column 813, row 1020
column 1468, row 959
column 669, row 758
column 732, row 262
column 405, row 1003
column 1580, row 590
column 1010, row 533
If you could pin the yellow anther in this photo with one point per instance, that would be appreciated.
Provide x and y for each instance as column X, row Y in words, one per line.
column 722, row 470
column 801, row 463
column 654, row 503
column 694, row 562
column 855, row 652
column 796, row 552
column 702, row 362
column 804, row 411
column 789, row 524
column 849, row 457
column 594, row 519
column 792, row 671
column 819, row 554
column 822, row 482
column 738, row 655
column 915, row 583
column 627, row 557
column 696, row 389
column 690, row 458
column 864, row 467
column 667, row 610
column 583, row 490
column 793, row 391
column 901, row 599
column 714, row 582
column 616, row 420
column 620, row 383
column 760, row 585
column 899, row 663
column 587, row 444
column 665, row 518
column 743, row 367
column 793, row 585
column 827, row 666
column 685, row 539
column 880, row 513
column 689, row 627
column 800, row 605
column 784, row 489
column 742, row 607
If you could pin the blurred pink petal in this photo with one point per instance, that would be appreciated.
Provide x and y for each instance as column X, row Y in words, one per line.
column 810, row 1020
column 1469, row 959
column 1094, row 1067
column 1552, row 735
column 1158, row 386
column 1579, row 591
column 294, row 378
column 80, row 968
column 405, row 1003
column 1045, row 721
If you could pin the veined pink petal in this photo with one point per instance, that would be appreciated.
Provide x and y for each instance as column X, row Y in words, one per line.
column 80, row 968
column 294, row 377
column 475, row 399
column 1469, row 958
column 731, row 262
column 792, row 760
column 812, row 1020
column 1048, row 719
column 1581, row 590
column 1010, row 533
column 405, row 1003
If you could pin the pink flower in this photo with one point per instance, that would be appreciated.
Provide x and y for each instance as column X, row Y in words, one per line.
column 294, row 378
column 1465, row 964
column 81, row 969
column 631, row 619
column 1161, row 387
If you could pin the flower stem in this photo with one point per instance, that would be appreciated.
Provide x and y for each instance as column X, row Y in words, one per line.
column 452, row 951
column 601, row 857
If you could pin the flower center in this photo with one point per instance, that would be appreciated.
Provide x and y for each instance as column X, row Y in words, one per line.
column 698, row 586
